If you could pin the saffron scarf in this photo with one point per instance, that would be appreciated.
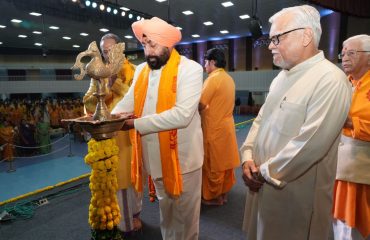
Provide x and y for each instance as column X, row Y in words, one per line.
column 167, row 89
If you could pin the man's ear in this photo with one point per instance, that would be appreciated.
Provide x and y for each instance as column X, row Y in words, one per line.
column 307, row 36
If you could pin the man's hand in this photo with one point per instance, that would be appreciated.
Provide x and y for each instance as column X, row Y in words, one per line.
column 251, row 176
column 129, row 124
column 348, row 123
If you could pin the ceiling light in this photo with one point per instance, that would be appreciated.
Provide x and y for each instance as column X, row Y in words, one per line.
column 94, row 5
column 16, row 21
column 37, row 32
column 74, row 0
column 180, row 28
column 224, row 31
column 208, row 23
column 101, row 7
column 115, row 11
column 54, row 27
column 130, row 16
column 195, row 35
column 109, row 9
column 84, row 34
column 76, row 46
column 138, row 18
column 2, row 26
column 38, row 44
column 35, row 14
column 227, row 4
column 245, row 16
column 87, row 3
column 128, row 36
column 1, row 43
column 187, row 12
column 161, row 0
column 66, row 38
column 22, row 36
column 125, row 9
column 103, row 30
column 123, row 13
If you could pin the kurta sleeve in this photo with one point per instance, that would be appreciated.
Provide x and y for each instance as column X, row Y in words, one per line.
column 209, row 89
column 325, row 115
column 246, row 150
column 189, row 88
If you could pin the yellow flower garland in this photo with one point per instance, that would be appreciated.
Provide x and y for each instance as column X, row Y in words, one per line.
column 103, row 158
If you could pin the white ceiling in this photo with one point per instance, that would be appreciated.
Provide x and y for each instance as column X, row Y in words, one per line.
column 72, row 18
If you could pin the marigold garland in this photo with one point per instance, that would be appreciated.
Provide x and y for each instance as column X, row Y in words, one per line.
column 104, row 211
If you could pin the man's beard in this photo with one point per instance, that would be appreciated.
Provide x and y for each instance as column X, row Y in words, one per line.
column 156, row 62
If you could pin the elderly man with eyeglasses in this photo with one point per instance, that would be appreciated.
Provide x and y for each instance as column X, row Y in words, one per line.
column 351, row 208
column 289, row 157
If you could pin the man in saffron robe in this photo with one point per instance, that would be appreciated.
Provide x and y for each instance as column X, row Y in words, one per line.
column 351, row 208
column 7, row 134
column 130, row 202
column 290, row 154
column 166, row 135
column 221, row 154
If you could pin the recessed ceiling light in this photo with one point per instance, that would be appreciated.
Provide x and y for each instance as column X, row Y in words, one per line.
column 36, row 32
column 123, row 13
column 208, row 23
column 195, row 35
column 180, row 28
column 16, row 21
column 66, row 38
column 35, row 14
column 245, row 16
column 130, row 16
column 187, row 12
column 94, row 5
column 103, row 30
column 38, row 44
column 1, row 43
column 76, row 46
column 161, row 0
column 54, row 27
column 87, row 3
column 224, row 31
column 84, row 34
column 109, row 9
column 124, row 9
column 101, row 7
column 2, row 26
column 128, row 36
column 115, row 11
column 22, row 36
column 227, row 4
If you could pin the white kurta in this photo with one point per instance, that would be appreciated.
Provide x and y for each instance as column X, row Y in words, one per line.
column 295, row 140
column 184, row 116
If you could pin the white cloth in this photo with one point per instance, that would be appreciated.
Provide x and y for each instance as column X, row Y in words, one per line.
column 294, row 140
column 354, row 161
column 184, row 117
column 130, row 205
column 179, row 218
column 345, row 232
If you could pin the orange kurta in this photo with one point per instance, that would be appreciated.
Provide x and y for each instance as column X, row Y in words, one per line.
column 351, row 199
column 6, row 139
column 114, row 95
column 220, row 144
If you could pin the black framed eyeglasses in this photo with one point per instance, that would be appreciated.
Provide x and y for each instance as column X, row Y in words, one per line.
column 275, row 39
column 349, row 53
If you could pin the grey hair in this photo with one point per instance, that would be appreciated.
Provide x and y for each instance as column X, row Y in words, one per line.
column 364, row 40
column 110, row 36
column 304, row 16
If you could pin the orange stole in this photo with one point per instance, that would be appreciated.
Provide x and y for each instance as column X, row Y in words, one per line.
column 171, row 172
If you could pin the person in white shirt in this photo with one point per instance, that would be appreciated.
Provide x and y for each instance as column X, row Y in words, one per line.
column 166, row 133
column 289, row 157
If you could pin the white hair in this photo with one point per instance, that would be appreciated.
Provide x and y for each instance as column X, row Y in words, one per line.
column 364, row 40
column 305, row 16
